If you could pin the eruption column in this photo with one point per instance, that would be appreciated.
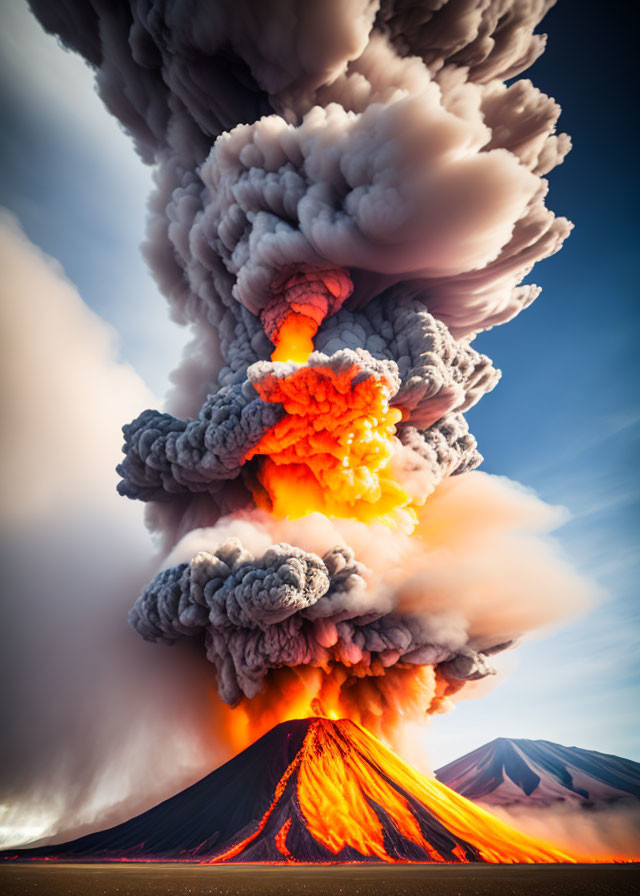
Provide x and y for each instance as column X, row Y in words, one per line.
column 354, row 176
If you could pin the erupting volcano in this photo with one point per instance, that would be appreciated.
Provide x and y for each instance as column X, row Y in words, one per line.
column 346, row 194
column 312, row 791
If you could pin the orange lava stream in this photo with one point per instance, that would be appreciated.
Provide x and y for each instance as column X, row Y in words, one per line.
column 340, row 769
column 281, row 839
column 294, row 339
column 280, row 788
column 331, row 452
column 335, row 789
column 363, row 756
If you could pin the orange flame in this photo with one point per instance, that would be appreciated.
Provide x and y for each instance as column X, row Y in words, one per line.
column 341, row 773
column 378, row 699
column 294, row 339
column 332, row 451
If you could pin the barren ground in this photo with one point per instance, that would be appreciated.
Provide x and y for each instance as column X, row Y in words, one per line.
column 46, row 879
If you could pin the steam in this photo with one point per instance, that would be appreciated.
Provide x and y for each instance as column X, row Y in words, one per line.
column 445, row 597
column 359, row 169
column 96, row 724
column 606, row 832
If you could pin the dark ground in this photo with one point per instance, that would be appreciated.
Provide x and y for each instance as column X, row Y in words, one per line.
column 313, row 880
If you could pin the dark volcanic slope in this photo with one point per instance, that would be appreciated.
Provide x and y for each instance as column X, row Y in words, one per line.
column 210, row 812
column 537, row 772
column 315, row 791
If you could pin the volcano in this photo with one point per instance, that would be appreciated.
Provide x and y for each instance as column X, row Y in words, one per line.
column 311, row 790
column 536, row 773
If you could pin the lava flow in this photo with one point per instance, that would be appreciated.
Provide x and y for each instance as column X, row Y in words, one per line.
column 352, row 795
column 331, row 452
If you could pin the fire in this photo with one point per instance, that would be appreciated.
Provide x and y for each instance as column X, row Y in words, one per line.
column 294, row 339
column 332, row 450
column 302, row 296
column 346, row 781
column 377, row 699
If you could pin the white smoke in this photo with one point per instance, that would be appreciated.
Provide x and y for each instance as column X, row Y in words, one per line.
column 89, row 710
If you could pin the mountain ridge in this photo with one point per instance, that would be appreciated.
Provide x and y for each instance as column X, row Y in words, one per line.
column 518, row 771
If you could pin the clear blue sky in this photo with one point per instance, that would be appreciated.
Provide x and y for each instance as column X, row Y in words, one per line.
column 565, row 419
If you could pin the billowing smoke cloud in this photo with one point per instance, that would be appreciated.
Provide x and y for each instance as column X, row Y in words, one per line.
column 286, row 608
column 353, row 184
column 370, row 136
column 165, row 456
column 95, row 725
column 445, row 597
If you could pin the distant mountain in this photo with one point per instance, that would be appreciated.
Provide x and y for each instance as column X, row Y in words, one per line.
column 532, row 773
column 311, row 790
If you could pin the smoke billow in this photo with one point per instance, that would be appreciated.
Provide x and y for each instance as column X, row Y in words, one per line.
column 95, row 725
column 346, row 194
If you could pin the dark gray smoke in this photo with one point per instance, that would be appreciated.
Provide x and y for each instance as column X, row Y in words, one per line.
column 289, row 608
column 438, row 374
column 432, row 375
column 362, row 163
column 165, row 456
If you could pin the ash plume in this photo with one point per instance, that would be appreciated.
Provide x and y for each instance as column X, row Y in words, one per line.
column 289, row 608
column 347, row 192
column 165, row 456
column 373, row 136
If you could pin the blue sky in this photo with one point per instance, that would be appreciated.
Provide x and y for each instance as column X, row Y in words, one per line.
column 565, row 419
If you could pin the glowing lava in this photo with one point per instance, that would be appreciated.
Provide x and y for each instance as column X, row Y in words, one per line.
column 353, row 796
column 331, row 452
column 302, row 297
column 294, row 339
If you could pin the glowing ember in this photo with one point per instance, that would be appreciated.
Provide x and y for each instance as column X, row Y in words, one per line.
column 331, row 452
column 281, row 839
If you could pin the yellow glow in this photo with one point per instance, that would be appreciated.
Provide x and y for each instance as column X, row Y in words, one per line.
column 294, row 340
column 332, row 450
